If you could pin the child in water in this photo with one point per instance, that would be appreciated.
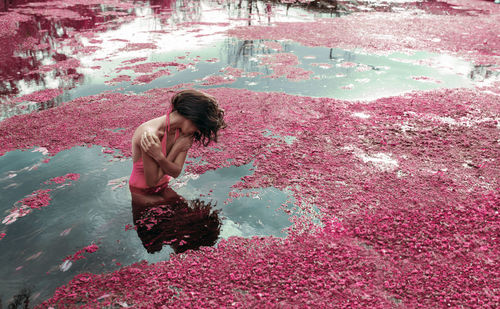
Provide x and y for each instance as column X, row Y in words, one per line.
column 160, row 145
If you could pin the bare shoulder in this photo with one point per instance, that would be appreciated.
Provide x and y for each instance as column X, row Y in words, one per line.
column 152, row 125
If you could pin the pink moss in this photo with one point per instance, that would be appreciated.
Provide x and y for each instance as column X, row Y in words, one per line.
column 37, row 200
column 284, row 64
column 2, row 235
column 426, row 79
column 322, row 65
column 40, row 96
column 347, row 64
column 70, row 63
column 78, row 254
column 326, row 165
column 407, row 226
column 119, row 40
column 144, row 67
column 88, row 50
column 135, row 60
column 471, row 36
column 280, row 59
column 63, row 179
column 9, row 23
column 217, row 80
column 408, row 194
column 119, row 79
column 138, row 46
column 145, row 79
column 286, row 273
column 232, row 72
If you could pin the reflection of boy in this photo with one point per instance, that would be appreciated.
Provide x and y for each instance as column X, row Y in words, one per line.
column 170, row 219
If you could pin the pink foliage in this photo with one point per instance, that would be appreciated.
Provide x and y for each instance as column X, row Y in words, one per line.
column 408, row 194
column 471, row 36
column 63, row 179
column 415, row 229
column 78, row 254
column 322, row 65
column 138, row 46
column 144, row 67
column 9, row 23
column 70, row 63
column 284, row 64
column 134, row 60
column 40, row 96
column 233, row 72
column 217, row 80
column 37, row 199
column 145, row 79
column 119, row 79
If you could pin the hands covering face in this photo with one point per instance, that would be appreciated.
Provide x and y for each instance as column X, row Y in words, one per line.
column 184, row 142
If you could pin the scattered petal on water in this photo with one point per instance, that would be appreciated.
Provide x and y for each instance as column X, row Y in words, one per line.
column 65, row 232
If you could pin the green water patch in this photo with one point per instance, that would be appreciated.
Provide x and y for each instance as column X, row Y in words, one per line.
column 295, row 69
column 330, row 72
column 96, row 209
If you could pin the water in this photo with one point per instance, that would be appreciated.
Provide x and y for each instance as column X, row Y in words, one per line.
column 83, row 57
column 97, row 208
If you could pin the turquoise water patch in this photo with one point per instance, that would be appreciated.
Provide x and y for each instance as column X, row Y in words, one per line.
column 288, row 139
column 96, row 208
column 336, row 73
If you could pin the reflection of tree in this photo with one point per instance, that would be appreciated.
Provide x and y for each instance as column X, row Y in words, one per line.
column 175, row 11
column 242, row 54
column 482, row 72
column 35, row 42
column 166, row 218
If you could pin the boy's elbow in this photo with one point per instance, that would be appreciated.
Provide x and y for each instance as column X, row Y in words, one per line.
column 176, row 173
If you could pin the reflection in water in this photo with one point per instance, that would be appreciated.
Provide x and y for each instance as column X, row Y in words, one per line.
column 46, row 34
column 168, row 219
column 37, row 54
column 482, row 72
column 29, row 53
column 19, row 301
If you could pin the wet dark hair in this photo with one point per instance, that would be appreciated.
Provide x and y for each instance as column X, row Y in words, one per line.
column 179, row 223
column 202, row 109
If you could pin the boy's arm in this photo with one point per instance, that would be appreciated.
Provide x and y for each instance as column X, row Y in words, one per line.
column 156, row 164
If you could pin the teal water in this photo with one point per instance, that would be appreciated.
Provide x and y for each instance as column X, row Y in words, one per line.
column 94, row 210
column 373, row 76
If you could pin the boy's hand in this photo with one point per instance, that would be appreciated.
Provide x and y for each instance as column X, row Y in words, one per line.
column 151, row 145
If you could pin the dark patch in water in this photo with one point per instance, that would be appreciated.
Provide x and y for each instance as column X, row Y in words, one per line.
column 482, row 72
